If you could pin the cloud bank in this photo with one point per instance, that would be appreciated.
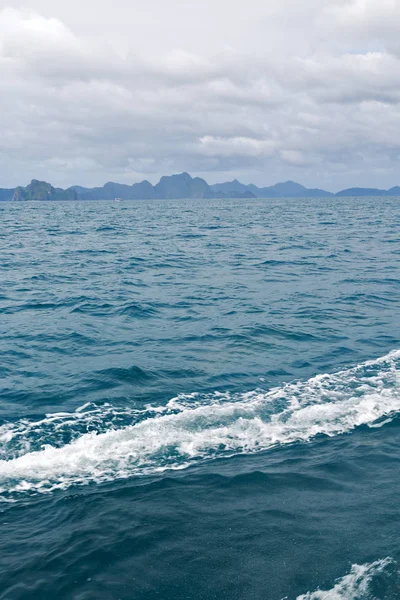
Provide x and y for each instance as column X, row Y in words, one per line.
column 308, row 92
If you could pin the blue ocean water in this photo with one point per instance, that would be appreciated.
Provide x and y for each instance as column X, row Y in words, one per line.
column 200, row 400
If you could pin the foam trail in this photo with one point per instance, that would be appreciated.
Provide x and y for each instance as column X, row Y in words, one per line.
column 361, row 583
column 102, row 443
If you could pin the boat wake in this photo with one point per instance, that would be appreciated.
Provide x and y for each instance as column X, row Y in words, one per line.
column 104, row 443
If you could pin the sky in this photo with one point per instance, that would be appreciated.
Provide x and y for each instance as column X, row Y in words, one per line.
column 263, row 91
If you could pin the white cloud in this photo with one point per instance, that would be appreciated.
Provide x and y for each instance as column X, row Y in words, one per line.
column 366, row 18
column 236, row 146
column 293, row 157
column 307, row 91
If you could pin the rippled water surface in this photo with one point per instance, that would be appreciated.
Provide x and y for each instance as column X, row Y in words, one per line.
column 200, row 399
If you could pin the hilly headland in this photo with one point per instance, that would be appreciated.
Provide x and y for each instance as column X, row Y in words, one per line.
column 179, row 186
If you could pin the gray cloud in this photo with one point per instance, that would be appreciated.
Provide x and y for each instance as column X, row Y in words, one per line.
column 309, row 91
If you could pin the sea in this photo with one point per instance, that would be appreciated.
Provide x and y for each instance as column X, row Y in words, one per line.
column 200, row 400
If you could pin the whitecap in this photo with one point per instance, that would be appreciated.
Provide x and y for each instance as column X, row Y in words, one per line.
column 359, row 583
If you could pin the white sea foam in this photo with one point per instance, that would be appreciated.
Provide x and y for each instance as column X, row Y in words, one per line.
column 96, row 444
column 358, row 584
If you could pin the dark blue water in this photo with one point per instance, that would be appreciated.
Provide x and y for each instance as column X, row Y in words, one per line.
column 200, row 400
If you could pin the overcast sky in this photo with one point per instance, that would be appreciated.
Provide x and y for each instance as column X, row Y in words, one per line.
column 262, row 90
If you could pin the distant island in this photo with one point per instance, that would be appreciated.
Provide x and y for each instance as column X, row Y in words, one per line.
column 40, row 190
column 174, row 187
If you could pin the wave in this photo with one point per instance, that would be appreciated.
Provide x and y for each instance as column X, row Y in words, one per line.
column 379, row 580
column 103, row 443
